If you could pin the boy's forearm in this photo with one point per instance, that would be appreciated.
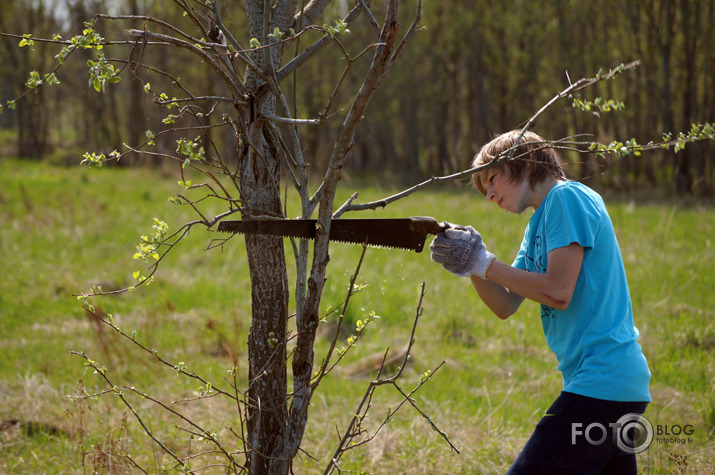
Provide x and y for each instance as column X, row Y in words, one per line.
column 550, row 288
column 500, row 300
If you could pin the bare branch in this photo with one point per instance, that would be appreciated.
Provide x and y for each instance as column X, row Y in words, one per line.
column 323, row 370
column 296, row 122
column 166, row 25
column 577, row 86
column 202, row 432
column 132, row 338
column 346, row 205
column 102, row 372
column 312, row 50
column 366, row 9
column 354, row 428
column 232, row 82
column 408, row 35
column 582, row 83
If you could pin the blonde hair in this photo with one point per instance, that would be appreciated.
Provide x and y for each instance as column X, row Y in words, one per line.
column 534, row 158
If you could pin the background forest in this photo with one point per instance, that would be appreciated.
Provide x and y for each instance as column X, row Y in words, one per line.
column 477, row 69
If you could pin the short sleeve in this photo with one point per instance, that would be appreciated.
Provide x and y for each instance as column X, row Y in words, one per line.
column 571, row 216
column 520, row 259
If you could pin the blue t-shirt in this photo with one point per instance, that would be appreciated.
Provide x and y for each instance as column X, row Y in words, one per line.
column 594, row 339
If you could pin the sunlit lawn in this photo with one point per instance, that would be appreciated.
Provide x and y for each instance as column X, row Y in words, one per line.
column 66, row 229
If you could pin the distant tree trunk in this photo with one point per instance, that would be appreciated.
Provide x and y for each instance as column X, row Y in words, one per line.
column 32, row 127
column 477, row 87
column 682, row 178
column 412, row 146
column 706, row 93
column 643, row 38
column 633, row 33
column 136, row 122
column 32, row 123
column 100, row 124
column 690, row 22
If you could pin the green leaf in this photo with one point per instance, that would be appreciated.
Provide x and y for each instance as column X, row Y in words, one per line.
column 277, row 34
column 34, row 81
column 101, row 73
column 51, row 79
column 27, row 41
column 94, row 159
column 9, row 105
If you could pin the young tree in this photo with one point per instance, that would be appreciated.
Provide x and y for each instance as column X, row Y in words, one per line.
column 254, row 66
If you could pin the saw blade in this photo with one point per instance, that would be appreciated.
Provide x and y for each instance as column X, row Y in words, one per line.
column 398, row 233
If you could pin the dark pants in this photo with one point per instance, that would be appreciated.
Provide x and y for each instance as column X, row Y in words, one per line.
column 576, row 437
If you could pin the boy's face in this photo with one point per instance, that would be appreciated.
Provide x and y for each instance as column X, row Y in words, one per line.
column 509, row 195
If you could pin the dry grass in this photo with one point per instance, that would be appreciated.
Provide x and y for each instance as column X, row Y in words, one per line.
column 497, row 380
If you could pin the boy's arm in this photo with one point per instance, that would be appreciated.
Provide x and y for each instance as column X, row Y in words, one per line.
column 506, row 284
column 500, row 300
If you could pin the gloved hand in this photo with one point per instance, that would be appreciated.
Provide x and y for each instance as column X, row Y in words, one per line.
column 461, row 251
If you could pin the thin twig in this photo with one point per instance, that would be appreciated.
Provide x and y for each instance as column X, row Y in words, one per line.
column 507, row 155
column 354, row 427
column 324, row 366
column 366, row 9
column 102, row 372
column 202, row 432
column 313, row 49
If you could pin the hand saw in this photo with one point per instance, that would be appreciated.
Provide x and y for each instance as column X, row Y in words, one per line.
column 401, row 233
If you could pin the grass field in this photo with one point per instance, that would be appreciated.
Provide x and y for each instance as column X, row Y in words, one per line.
column 66, row 229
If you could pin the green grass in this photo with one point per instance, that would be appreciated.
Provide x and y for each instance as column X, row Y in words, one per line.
column 66, row 229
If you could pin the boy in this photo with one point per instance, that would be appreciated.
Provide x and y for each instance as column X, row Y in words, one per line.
column 571, row 264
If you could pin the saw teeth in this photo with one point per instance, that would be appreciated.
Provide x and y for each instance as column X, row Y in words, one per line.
column 345, row 232
column 376, row 246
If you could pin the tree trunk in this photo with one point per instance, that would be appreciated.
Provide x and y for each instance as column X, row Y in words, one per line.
column 267, row 355
column 690, row 155
column 32, row 129
column 136, row 123
column 268, row 383
column 260, row 180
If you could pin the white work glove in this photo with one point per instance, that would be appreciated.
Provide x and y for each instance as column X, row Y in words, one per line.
column 461, row 251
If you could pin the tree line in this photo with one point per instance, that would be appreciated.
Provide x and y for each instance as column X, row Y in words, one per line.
column 476, row 69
